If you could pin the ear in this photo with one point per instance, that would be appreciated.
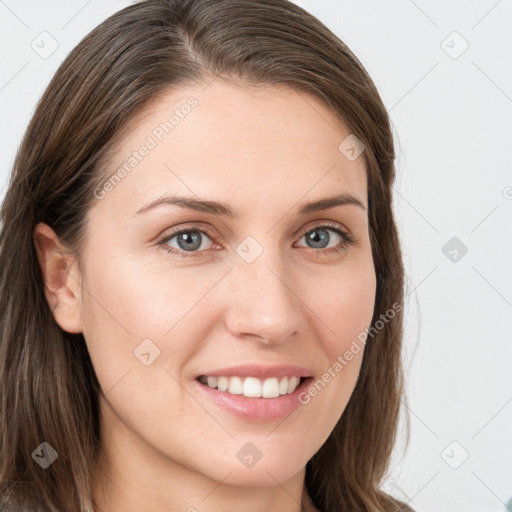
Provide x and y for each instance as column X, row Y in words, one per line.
column 62, row 280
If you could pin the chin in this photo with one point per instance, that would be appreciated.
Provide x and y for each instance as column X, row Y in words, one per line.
column 263, row 473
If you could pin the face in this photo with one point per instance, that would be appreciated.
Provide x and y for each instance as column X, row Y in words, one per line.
column 258, row 281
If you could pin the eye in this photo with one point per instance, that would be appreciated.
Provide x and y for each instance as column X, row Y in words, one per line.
column 319, row 237
column 191, row 241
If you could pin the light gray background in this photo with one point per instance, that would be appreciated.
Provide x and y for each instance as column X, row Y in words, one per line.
column 451, row 112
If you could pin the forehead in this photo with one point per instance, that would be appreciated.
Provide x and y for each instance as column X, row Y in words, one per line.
column 224, row 141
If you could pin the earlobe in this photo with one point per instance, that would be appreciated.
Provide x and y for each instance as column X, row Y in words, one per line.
column 61, row 278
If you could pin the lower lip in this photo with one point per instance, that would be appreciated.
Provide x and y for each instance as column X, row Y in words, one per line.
column 257, row 409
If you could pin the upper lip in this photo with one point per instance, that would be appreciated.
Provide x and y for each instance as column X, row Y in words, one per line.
column 262, row 372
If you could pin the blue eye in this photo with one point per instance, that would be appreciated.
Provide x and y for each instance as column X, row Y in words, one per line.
column 319, row 237
column 188, row 240
column 192, row 241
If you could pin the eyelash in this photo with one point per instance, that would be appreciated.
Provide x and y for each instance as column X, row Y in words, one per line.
column 347, row 238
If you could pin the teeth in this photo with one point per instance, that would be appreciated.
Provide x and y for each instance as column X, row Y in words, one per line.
column 270, row 388
column 235, row 386
column 283, row 386
column 293, row 382
column 252, row 387
column 223, row 384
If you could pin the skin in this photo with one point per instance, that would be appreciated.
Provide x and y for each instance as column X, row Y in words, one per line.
column 264, row 151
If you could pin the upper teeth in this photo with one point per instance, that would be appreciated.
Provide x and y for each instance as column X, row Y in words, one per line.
column 253, row 387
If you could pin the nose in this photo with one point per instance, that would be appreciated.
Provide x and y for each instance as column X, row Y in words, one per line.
column 262, row 302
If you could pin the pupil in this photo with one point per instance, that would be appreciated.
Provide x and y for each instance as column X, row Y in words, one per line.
column 319, row 238
column 191, row 242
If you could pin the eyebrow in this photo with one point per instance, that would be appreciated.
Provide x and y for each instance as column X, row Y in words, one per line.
column 223, row 209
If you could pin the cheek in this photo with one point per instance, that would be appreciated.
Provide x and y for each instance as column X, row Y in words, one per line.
column 129, row 302
column 344, row 311
column 346, row 306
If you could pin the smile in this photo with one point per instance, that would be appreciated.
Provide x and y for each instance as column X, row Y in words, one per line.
column 253, row 387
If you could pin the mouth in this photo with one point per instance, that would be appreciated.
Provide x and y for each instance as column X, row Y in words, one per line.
column 255, row 399
column 254, row 387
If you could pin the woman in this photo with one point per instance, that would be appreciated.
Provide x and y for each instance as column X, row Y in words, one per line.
column 201, row 279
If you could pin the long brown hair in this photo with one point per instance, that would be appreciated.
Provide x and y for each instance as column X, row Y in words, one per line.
column 48, row 387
